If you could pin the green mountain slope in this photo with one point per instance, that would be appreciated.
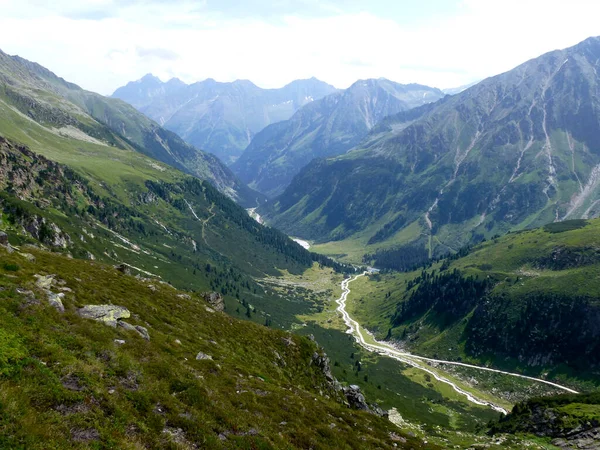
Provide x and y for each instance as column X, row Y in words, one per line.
column 66, row 109
column 514, row 151
column 200, row 379
column 141, row 213
column 328, row 127
column 527, row 301
column 220, row 118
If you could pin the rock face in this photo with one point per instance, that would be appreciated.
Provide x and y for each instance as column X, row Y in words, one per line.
column 215, row 300
column 355, row 398
column 109, row 314
column 585, row 440
column 3, row 238
column 323, row 363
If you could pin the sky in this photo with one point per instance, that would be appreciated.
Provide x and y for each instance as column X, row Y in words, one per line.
column 103, row 44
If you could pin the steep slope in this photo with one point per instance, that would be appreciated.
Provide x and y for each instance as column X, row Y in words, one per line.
column 572, row 421
column 169, row 373
column 328, row 127
column 137, row 212
column 516, row 150
column 527, row 301
column 66, row 109
column 218, row 117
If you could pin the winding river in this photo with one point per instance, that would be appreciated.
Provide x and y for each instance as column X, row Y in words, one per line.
column 419, row 362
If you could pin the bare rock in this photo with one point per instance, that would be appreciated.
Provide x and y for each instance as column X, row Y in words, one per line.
column 143, row 332
column 3, row 238
column 109, row 314
column 28, row 256
column 200, row 356
column 121, row 268
column 55, row 301
column 355, row 398
column 322, row 362
column 215, row 300
column 84, row 435
column 44, row 281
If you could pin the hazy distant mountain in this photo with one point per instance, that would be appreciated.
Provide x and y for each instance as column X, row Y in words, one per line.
column 459, row 89
column 218, row 117
column 328, row 127
column 65, row 108
column 516, row 150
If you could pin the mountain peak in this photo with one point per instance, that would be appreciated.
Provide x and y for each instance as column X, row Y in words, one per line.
column 149, row 77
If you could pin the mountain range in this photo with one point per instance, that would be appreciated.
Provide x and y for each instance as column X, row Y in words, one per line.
column 327, row 127
column 141, row 306
column 221, row 118
column 514, row 151
column 32, row 93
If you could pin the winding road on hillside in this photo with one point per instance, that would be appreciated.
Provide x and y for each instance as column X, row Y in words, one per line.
column 418, row 362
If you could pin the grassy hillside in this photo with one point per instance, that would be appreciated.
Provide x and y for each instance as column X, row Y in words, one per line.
column 71, row 382
column 163, row 223
column 527, row 301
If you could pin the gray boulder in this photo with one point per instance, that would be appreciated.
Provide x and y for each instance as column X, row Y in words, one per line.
column 109, row 314
column 215, row 300
column 143, row 332
column 200, row 356
column 3, row 238
column 355, row 398
column 55, row 300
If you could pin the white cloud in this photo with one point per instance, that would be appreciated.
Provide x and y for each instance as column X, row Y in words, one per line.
column 104, row 43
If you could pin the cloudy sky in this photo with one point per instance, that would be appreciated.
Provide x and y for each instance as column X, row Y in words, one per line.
column 103, row 44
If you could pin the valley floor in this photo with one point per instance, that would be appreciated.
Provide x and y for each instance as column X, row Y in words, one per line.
column 428, row 398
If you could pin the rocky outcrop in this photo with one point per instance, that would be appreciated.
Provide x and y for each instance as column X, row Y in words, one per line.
column 584, row 440
column 55, row 301
column 108, row 314
column 215, row 300
column 355, row 398
column 201, row 356
column 123, row 269
column 45, row 282
column 3, row 238
column 323, row 363
column 143, row 332
column 112, row 315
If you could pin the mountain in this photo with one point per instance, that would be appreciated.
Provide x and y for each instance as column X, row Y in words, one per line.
column 220, row 118
column 324, row 128
column 64, row 108
column 514, row 151
column 143, row 92
column 459, row 89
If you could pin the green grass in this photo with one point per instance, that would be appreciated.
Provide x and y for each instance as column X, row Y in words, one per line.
column 64, row 377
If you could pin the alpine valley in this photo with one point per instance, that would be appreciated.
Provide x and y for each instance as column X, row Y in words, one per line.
column 151, row 297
